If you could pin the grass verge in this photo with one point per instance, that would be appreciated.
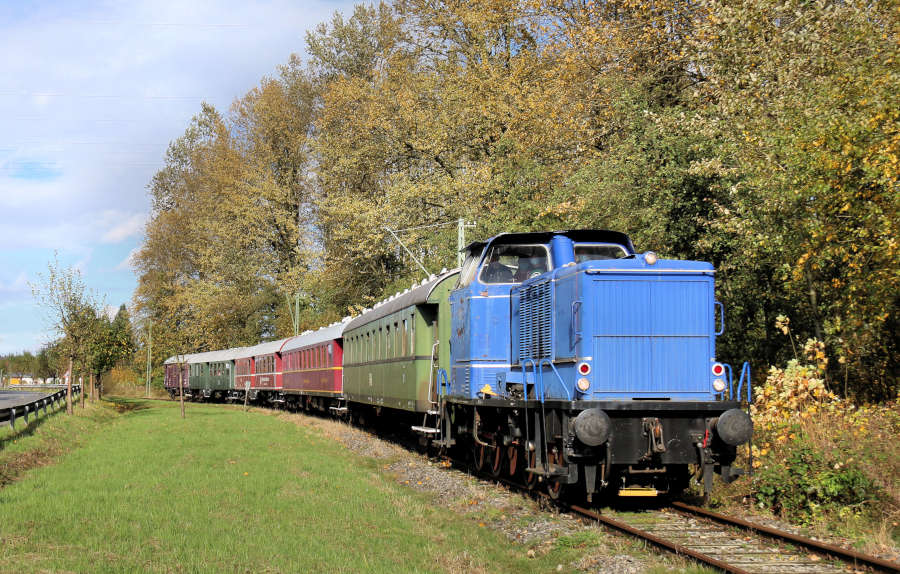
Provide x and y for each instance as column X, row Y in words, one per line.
column 47, row 437
column 226, row 491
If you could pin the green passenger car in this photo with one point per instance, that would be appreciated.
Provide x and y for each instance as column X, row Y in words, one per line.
column 212, row 373
column 393, row 351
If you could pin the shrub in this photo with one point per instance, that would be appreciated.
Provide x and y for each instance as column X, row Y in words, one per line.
column 816, row 454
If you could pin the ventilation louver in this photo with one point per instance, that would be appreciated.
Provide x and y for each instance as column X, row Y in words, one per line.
column 534, row 322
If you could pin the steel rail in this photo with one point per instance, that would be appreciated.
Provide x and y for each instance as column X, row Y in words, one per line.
column 843, row 554
column 656, row 540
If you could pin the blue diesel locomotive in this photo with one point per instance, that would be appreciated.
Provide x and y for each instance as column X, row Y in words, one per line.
column 575, row 360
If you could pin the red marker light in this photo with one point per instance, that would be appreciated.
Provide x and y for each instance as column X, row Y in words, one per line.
column 584, row 368
column 718, row 369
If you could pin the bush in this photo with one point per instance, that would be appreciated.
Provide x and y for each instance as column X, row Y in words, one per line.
column 803, row 484
column 819, row 458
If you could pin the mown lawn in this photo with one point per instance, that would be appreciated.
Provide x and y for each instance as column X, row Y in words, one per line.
column 228, row 491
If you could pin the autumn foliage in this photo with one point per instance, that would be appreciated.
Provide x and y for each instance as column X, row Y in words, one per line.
column 760, row 136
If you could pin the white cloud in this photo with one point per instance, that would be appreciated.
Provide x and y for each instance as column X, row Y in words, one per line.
column 127, row 264
column 90, row 97
column 82, row 264
column 17, row 285
column 129, row 226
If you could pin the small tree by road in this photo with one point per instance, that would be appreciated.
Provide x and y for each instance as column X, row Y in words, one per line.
column 71, row 309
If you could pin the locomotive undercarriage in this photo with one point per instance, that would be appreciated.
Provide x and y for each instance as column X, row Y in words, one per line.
column 647, row 448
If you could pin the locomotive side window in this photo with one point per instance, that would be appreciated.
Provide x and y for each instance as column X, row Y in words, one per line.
column 598, row 251
column 514, row 263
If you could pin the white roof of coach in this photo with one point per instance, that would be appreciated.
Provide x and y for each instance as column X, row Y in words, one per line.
column 264, row 348
column 329, row 333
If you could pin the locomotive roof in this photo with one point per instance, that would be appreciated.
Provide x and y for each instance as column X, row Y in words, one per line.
column 413, row 296
column 329, row 333
column 576, row 235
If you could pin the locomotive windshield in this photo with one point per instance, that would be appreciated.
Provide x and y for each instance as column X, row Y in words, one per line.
column 514, row 263
column 598, row 251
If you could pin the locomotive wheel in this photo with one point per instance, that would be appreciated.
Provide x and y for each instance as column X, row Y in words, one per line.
column 531, row 479
column 555, row 487
column 496, row 461
column 512, row 460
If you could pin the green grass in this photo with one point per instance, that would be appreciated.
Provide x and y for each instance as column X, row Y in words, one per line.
column 226, row 491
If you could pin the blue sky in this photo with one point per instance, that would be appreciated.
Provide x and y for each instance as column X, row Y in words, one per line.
column 91, row 93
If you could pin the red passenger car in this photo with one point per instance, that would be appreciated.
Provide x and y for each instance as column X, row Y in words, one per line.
column 171, row 381
column 312, row 367
column 260, row 367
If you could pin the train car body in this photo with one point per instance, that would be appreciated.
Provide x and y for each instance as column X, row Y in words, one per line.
column 212, row 373
column 172, row 378
column 312, row 363
column 392, row 352
column 244, row 370
column 258, row 372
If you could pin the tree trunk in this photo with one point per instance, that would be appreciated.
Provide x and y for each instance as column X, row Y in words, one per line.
column 92, row 385
column 69, row 388
column 99, row 387
column 181, row 388
column 83, row 391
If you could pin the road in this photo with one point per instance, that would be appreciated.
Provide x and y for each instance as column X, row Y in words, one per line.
column 14, row 398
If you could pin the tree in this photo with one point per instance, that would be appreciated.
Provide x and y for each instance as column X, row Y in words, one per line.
column 111, row 343
column 71, row 309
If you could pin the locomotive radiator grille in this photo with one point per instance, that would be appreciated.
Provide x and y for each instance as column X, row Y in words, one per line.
column 535, row 329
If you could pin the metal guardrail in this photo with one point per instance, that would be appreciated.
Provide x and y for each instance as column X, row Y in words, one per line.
column 33, row 387
column 9, row 415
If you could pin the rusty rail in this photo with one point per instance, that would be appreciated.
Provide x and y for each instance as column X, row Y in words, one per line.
column 844, row 554
column 657, row 541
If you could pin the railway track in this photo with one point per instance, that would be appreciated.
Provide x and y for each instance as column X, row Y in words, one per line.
column 734, row 545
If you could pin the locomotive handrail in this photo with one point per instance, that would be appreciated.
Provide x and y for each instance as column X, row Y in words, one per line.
column 576, row 324
column 562, row 383
column 9, row 415
column 730, row 376
column 721, row 309
column 443, row 381
column 745, row 374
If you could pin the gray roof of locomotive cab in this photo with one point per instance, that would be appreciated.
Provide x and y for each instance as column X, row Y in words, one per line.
column 576, row 235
